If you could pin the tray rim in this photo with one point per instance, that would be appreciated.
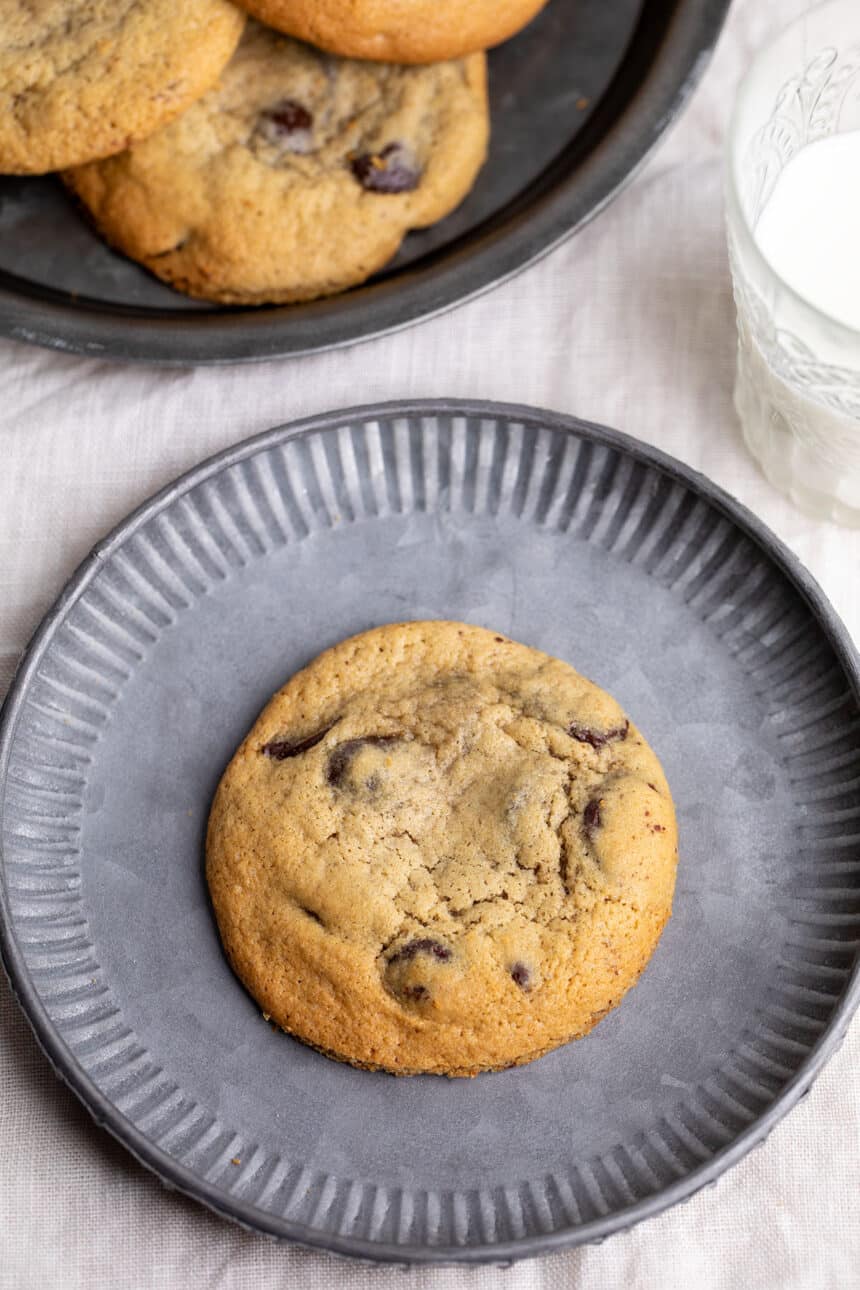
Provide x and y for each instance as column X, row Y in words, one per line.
column 474, row 264
column 180, row 1178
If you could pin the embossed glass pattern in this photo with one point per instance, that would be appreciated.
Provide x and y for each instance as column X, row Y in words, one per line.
column 797, row 390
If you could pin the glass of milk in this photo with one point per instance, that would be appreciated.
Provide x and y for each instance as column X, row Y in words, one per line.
column 793, row 215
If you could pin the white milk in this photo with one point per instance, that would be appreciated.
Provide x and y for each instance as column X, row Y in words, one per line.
column 810, row 229
column 798, row 413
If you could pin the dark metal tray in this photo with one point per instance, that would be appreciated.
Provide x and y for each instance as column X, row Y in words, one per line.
column 158, row 655
column 578, row 99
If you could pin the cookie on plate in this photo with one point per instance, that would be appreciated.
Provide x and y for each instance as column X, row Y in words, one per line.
column 400, row 31
column 297, row 176
column 440, row 851
column 81, row 79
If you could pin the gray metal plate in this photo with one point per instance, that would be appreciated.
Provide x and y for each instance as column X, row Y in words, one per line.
column 577, row 100
column 572, row 538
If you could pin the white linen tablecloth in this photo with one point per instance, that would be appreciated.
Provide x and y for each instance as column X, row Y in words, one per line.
column 630, row 323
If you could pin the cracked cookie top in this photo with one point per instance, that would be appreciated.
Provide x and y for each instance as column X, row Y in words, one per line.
column 82, row 79
column 440, row 850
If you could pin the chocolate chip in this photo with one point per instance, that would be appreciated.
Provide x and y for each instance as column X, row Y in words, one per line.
column 398, row 967
column 597, row 738
column 281, row 749
column 425, row 945
column 312, row 913
column 287, row 125
column 341, row 757
column 522, row 976
column 393, row 170
column 591, row 815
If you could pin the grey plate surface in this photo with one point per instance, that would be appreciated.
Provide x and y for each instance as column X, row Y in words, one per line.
column 552, row 165
column 177, row 628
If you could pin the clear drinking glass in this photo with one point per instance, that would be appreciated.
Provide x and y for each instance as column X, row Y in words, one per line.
column 797, row 390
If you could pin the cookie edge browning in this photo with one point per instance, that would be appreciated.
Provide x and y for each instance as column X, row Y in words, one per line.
column 204, row 277
column 96, row 133
column 619, row 962
column 429, row 36
column 509, row 1061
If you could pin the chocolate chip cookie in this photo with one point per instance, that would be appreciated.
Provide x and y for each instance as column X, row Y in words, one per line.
column 81, row 79
column 297, row 176
column 440, row 851
column 402, row 31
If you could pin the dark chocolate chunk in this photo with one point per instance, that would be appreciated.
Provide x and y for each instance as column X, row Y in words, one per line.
column 281, row 749
column 393, row 170
column 416, row 992
column 591, row 816
column 522, row 976
column 287, row 125
column 425, row 945
column 341, row 756
column 597, row 738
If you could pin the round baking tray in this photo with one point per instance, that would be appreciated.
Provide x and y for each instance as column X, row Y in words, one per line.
column 158, row 655
column 577, row 101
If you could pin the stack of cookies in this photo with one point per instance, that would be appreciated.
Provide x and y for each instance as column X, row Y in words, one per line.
column 244, row 163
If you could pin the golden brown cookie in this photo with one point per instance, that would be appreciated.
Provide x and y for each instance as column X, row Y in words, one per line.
column 399, row 31
column 297, row 176
column 81, row 79
column 440, row 851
